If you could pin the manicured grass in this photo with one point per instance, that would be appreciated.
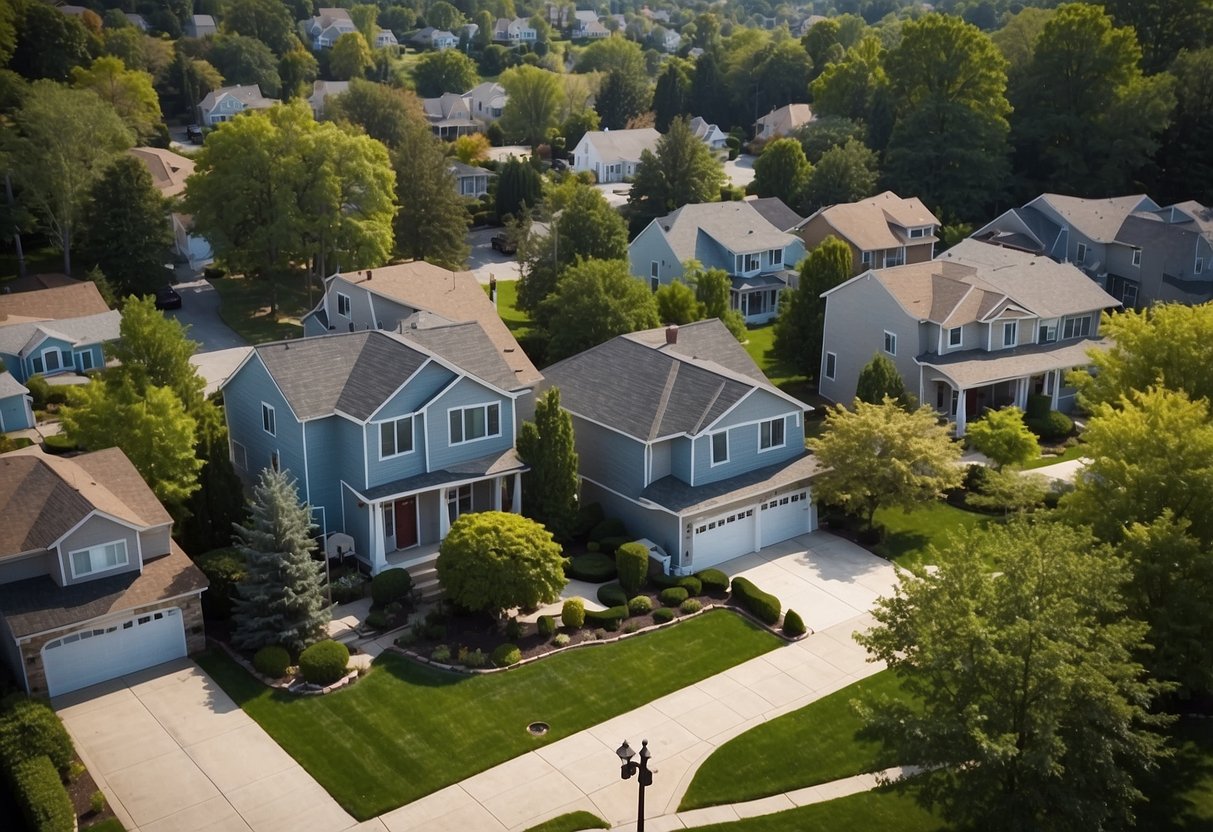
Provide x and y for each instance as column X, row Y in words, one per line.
column 907, row 536
column 519, row 322
column 245, row 307
column 407, row 730
column 882, row 810
column 572, row 822
column 760, row 345
column 1072, row 452
column 816, row 744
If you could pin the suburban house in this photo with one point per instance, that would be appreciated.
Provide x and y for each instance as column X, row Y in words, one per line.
column 782, row 122
column 16, row 404
column 136, row 20
column 669, row 40
column 683, row 438
column 169, row 171
column 486, row 101
column 55, row 331
column 759, row 258
column 980, row 327
column 513, row 32
column 612, row 155
column 470, row 181
column 226, row 103
column 587, row 26
column 431, row 38
column 200, row 25
column 91, row 585
column 709, row 134
column 322, row 91
column 385, row 39
column 390, row 435
column 327, row 26
column 1141, row 252
column 883, row 231
column 450, row 115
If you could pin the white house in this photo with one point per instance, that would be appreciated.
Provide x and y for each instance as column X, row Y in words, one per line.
column 385, row 38
column 513, row 32
column 200, row 25
column 226, row 103
column 438, row 39
column 328, row 25
column 486, row 101
column 709, row 134
column 612, row 155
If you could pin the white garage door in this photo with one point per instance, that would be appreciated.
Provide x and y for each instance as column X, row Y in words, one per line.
column 785, row 516
column 718, row 539
column 87, row 657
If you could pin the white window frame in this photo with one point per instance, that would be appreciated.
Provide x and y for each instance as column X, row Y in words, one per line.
column 770, row 424
column 1200, row 266
column 463, row 440
column 1010, row 329
column 752, row 262
column 890, row 342
column 866, row 258
column 1070, row 327
column 85, row 357
column 269, row 419
column 775, row 257
column 712, row 448
column 71, row 558
column 1137, row 258
column 915, row 233
column 396, row 426
column 343, row 300
column 275, row 460
column 239, row 455
column 454, row 500
column 958, row 331
column 58, row 353
column 1047, row 334
column 831, row 365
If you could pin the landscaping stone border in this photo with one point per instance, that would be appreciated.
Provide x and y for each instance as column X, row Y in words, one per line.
column 294, row 687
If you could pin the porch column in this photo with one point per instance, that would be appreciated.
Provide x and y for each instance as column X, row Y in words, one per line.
column 1057, row 376
column 960, row 412
column 444, row 515
column 377, row 554
column 516, row 503
column 497, row 481
column 1021, row 393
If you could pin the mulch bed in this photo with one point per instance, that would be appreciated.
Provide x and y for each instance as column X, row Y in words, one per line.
column 81, row 792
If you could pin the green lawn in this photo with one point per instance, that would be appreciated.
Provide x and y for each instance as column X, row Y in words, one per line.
column 760, row 346
column 519, row 322
column 816, row 744
column 572, row 822
column 877, row 811
column 1072, row 452
column 907, row 536
column 107, row 825
column 245, row 306
column 407, row 730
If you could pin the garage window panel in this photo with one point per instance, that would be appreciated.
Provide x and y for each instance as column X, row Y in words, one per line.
column 100, row 558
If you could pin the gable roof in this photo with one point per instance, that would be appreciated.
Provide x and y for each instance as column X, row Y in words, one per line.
column 1097, row 219
column 460, row 170
column 777, row 213
column 463, row 344
column 169, row 170
column 738, row 226
column 626, row 145
column 33, row 282
column 873, row 224
column 786, row 118
column 9, row 386
column 74, row 300
column 249, row 94
column 91, row 329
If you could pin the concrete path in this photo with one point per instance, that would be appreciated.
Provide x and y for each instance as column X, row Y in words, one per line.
column 173, row 753
column 1061, row 471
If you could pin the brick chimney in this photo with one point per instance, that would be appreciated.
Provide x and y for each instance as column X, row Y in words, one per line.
column 671, row 334
column 368, row 274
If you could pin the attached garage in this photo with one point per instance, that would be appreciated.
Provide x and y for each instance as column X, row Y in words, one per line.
column 113, row 648
column 785, row 516
column 723, row 537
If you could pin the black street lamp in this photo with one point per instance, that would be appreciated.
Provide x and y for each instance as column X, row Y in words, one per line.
column 629, row 768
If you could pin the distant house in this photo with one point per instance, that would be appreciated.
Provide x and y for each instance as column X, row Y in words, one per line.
column 513, row 32
column 808, row 23
column 709, row 134
column 883, row 231
column 470, row 181
column 980, row 327
column 682, row 438
column 612, row 155
column 431, row 38
column 16, row 404
column 782, row 122
column 169, row 171
column 92, row 586
column 327, row 26
column 759, row 258
column 486, row 101
column 385, row 39
column 226, row 103
column 322, row 91
column 669, row 40
column 450, row 116
column 55, row 331
column 136, row 20
column 200, row 26
column 586, row 26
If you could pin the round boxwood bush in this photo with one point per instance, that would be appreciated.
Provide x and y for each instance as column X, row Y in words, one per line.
column 612, row 595
column 1051, row 427
column 673, row 596
column 714, row 581
column 545, row 625
column 272, row 661
column 691, row 584
column 506, row 654
column 441, row 654
column 793, row 624
column 573, row 613
column 378, row 620
column 640, row 605
column 391, row 585
column 689, row 606
column 324, row 662
column 561, row 639
column 593, row 568
column 663, row 614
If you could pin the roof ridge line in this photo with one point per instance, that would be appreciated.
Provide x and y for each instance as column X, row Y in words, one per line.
column 664, row 401
column 708, row 409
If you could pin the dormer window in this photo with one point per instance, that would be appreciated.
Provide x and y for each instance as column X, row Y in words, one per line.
column 753, row 262
column 915, row 233
column 775, row 257
column 1081, row 257
column 1137, row 257
column 1010, row 333
column 955, row 336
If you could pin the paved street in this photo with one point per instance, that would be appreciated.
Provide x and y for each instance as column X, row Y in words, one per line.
column 484, row 260
column 200, row 311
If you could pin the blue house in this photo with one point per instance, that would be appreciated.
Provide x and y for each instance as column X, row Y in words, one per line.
column 16, row 408
column 55, row 330
column 759, row 257
column 683, row 438
column 390, row 436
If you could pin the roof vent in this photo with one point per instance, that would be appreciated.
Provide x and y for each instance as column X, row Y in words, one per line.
column 671, row 334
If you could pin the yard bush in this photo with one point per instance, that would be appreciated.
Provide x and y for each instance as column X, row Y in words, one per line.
column 391, row 585
column 513, row 629
column 59, row 443
column 40, row 794
column 640, row 605
column 612, row 595
column 1038, row 406
column 1052, row 427
column 272, row 661
column 662, row 580
column 793, row 624
column 29, row 728
column 441, row 654
column 975, row 478
column 347, row 588
column 224, row 568
column 632, row 564
column 378, row 620
column 691, row 584
column 506, row 654
column 689, row 606
column 43, row 392
column 608, row 619
column 572, row 614
column 545, row 625
column 610, row 527
column 593, row 547
column 595, row 568
column 764, row 606
column 663, row 614
column 561, row 639
column 589, row 516
column 673, row 596
column 324, row 662
column 610, row 545
column 714, row 581
column 473, row 658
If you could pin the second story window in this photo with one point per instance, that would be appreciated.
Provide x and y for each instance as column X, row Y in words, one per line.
column 831, row 365
column 753, row 262
column 1048, row 333
column 866, row 258
column 1076, row 327
column 1137, row 257
column 268, row 422
column 1081, row 257
column 468, row 424
column 1010, row 333
column 890, row 343
column 101, row 558
column 396, row 437
column 775, row 257
column 343, row 304
column 955, row 336
column 917, row 232
column 720, row 447
column 771, row 434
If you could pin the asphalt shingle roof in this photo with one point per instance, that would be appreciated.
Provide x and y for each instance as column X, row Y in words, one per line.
column 91, row 329
column 738, row 226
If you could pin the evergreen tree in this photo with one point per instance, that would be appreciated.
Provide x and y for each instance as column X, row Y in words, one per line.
column 126, row 230
column 681, row 171
column 782, row 171
column 801, row 322
column 518, row 185
column 432, row 222
column 281, row 599
column 549, row 492
column 622, row 97
column 672, row 98
column 879, row 380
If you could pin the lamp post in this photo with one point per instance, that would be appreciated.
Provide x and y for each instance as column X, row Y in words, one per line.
column 629, row 768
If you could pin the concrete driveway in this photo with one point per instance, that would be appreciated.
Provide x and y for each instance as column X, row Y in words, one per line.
column 484, row 260
column 173, row 753
column 200, row 312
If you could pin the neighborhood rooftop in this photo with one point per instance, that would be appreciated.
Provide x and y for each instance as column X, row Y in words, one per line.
column 866, row 223
column 106, row 326
column 738, row 226
column 72, row 300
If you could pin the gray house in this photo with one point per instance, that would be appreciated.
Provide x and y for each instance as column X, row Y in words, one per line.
column 683, row 438
column 979, row 327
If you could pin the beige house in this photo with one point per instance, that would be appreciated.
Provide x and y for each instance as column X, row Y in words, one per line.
column 782, row 122
column 883, row 231
column 169, row 171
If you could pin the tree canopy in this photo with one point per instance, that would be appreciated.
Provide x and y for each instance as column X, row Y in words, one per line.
column 1003, row 437
column 433, row 218
column 534, row 103
column 681, row 171
column 447, row 70
column 351, row 57
column 879, row 380
column 782, row 171
column 549, row 489
column 269, row 21
column 801, row 322
column 384, row 112
column 128, row 91
column 595, row 300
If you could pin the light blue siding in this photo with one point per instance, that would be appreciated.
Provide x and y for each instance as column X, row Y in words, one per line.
column 743, row 452
column 423, row 386
column 680, row 458
column 14, row 414
column 94, row 350
column 329, row 461
column 713, row 255
column 760, row 404
column 242, row 398
column 15, row 366
column 357, row 523
column 312, row 327
column 396, row 467
column 650, row 245
column 658, row 526
column 465, row 392
column 66, row 361
column 609, row 458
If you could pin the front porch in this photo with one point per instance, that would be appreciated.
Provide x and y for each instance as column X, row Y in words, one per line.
column 757, row 297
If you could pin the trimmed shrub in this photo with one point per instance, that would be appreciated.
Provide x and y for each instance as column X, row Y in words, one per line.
column 691, row 584
column 1052, row 427
column 408, row 638
column 632, row 564
column 764, row 606
column 1038, row 406
column 474, row 659
column 96, row 802
column 272, row 661
column 975, row 478
column 561, row 639
column 324, row 662
column 689, row 606
column 662, row 580
column 673, row 596
column 224, row 568
column 391, row 585
column 545, row 625
column 640, row 605
column 593, row 568
column 612, row 595
column 347, row 588
column 441, row 654
column 610, row 545
column 572, row 614
column 378, row 620
column 59, row 443
column 793, row 624
column 714, row 581
column 610, row 527
column 40, row 794
column 592, row 547
column 513, row 629
column 588, row 517
column 506, row 654
column 29, row 728
column 607, row 619
column 663, row 614
column 434, row 630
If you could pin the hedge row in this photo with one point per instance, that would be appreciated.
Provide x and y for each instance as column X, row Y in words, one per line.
column 40, row 794
column 34, row 750
column 764, row 606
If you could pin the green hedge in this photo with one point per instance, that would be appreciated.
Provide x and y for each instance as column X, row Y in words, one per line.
column 391, row 585
column 691, row 584
column 506, row 654
column 764, row 606
column 28, row 729
column 1051, row 427
column 589, row 516
column 40, row 794
column 572, row 614
column 714, row 581
column 673, row 596
column 793, row 624
column 632, row 564
column 324, row 662
column 612, row 595
column 608, row 619
column 272, row 661
column 59, row 443
column 611, row 545
column 663, row 614
column 594, row 568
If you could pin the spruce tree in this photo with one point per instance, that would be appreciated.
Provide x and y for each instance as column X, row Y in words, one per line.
column 549, row 492
column 281, row 599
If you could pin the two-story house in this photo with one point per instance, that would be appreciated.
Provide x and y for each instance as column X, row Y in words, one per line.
column 327, row 26
column 587, row 26
column 759, row 258
column 450, row 116
column 225, row 103
column 711, row 135
column 513, row 32
column 884, row 231
column 169, row 171
column 56, row 331
column 683, row 438
column 91, row 584
column 980, row 327
column 486, row 101
column 783, row 121
column 612, row 155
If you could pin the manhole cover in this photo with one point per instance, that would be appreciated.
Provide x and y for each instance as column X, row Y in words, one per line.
column 537, row 729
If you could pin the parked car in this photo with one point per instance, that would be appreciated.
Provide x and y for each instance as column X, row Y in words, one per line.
column 194, row 133
column 168, row 298
column 559, row 164
column 504, row 244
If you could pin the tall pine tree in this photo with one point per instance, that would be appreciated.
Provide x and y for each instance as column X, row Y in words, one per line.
column 801, row 322
column 281, row 599
column 549, row 492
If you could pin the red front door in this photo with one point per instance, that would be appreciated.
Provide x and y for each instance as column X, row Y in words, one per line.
column 406, row 522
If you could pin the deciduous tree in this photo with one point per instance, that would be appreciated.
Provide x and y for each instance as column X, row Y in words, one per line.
column 851, row 87
column 447, row 70
column 442, row 15
column 681, row 171
column 1003, row 437
column 533, row 105
column 384, row 112
column 128, row 91
column 269, row 21
column 801, row 322
column 622, row 96
column 594, row 301
column 782, row 171
column 298, row 69
column 245, row 60
column 1164, row 27
column 549, row 489
column 351, row 57
column 677, row 304
column 672, row 96
column 49, row 43
column 843, row 174
column 712, row 290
